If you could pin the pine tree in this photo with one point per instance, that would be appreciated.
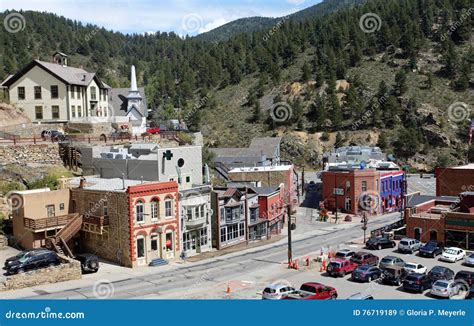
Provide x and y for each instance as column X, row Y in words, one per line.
column 400, row 86
column 306, row 73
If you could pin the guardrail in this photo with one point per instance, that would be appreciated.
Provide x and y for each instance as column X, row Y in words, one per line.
column 48, row 222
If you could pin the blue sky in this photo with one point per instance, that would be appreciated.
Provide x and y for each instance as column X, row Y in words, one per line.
column 181, row 16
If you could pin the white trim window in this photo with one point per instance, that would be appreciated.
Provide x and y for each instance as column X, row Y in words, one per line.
column 203, row 236
column 154, row 242
column 168, row 207
column 155, row 207
column 139, row 212
column 141, row 247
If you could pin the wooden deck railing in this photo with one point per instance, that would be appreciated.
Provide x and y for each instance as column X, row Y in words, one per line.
column 49, row 222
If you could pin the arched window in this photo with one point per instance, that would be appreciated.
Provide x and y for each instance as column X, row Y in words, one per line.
column 139, row 214
column 155, row 208
column 169, row 206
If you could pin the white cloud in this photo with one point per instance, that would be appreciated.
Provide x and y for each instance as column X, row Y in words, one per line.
column 296, row 2
column 213, row 24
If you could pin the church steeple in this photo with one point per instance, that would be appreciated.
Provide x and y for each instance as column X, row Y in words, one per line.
column 133, row 93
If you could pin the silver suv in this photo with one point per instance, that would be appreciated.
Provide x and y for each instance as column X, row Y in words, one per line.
column 409, row 245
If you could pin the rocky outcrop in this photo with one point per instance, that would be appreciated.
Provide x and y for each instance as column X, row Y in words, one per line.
column 436, row 136
column 10, row 116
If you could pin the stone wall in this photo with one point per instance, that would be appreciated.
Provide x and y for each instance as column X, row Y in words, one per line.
column 24, row 154
column 114, row 243
column 69, row 269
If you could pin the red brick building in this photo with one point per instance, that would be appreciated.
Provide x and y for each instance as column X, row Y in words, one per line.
column 271, row 208
column 454, row 180
column 352, row 190
column 448, row 221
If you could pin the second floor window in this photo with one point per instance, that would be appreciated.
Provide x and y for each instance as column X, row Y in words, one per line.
column 168, row 208
column 37, row 92
column 50, row 210
column 54, row 91
column 105, row 209
column 364, row 185
column 93, row 93
column 154, row 210
column 21, row 93
column 253, row 214
column 139, row 216
column 72, row 91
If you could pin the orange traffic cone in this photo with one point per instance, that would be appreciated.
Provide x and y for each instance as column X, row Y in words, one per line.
column 324, row 265
column 290, row 265
column 296, row 264
column 228, row 288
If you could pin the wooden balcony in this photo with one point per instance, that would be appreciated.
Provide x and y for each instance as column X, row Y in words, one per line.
column 95, row 224
column 42, row 224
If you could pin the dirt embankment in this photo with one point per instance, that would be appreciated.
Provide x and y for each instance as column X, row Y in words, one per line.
column 11, row 116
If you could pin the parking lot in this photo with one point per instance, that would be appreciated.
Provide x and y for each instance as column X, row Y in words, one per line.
column 346, row 287
column 251, row 288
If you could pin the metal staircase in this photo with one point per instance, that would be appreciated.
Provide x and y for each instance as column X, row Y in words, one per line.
column 58, row 243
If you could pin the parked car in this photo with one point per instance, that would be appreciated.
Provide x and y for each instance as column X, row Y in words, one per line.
column 55, row 135
column 345, row 253
column 394, row 275
column 33, row 260
column 469, row 260
column 366, row 273
column 415, row 268
column 365, row 258
column 453, row 254
column 153, row 130
column 409, row 245
column 360, row 296
column 120, row 134
column 431, row 249
column 441, row 273
column 445, row 289
column 22, row 254
column 340, row 267
column 380, row 243
column 313, row 291
column 89, row 263
column 389, row 261
column 277, row 291
column 417, row 282
column 466, row 276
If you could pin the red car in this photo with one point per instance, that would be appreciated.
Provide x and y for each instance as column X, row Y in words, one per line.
column 313, row 291
column 365, row 258
column 153, row 130
column 340, row 267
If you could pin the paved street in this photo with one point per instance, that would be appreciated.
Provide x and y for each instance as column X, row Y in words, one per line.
column 244, row 272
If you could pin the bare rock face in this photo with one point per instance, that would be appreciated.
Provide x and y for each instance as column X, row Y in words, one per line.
column 10, row 116
column 436, row 136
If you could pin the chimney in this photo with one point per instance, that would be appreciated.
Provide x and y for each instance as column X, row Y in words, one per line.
column 82, row 183
column 83, row 77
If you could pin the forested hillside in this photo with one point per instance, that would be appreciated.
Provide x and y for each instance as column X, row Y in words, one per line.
column 405, row 68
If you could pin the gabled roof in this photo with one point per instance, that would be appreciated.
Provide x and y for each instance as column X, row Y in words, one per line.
column 6, row 79
column 118, row 100
column 268, row 145
column 68, row 75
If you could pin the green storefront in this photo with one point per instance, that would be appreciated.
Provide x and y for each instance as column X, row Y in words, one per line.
column 459, row 232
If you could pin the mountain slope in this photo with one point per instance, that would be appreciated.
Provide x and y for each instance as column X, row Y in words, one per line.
column 254, row 24
column 404, row 77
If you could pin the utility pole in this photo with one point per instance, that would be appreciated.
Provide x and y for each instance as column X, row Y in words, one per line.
column 290, row 251
column 364, row 221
